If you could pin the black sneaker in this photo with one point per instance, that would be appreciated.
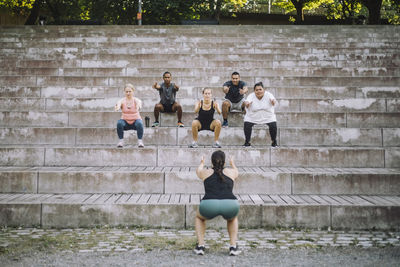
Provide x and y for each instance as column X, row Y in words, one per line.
column 274, row 144
column 246, row 144
column 234, row 251
column 199, row 250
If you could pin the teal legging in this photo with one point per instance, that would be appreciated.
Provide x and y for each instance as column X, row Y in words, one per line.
column 227, row 208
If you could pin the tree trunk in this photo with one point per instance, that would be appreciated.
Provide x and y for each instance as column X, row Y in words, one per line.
column 31, row 20
column 374, row 10
column 218, row 9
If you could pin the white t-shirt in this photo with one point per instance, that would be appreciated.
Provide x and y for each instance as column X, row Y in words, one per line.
column 261, row 110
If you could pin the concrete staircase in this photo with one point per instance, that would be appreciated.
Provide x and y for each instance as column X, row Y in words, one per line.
column 338, row 164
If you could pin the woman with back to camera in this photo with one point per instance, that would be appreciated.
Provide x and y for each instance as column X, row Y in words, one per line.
column 218, row 200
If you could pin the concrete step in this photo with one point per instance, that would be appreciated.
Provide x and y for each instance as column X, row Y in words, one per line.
column 151, row 156
column 355, row 212
column 233, row 136
column 284, row 119
column 288, row 92
column 181, row 180
column 71, row 81
column 349, row 105
column 312, row 71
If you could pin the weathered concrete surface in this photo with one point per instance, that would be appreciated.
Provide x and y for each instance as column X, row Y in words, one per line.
column 80, row 215
column 296, row 216
column 392, row 158
column 246, row 183
column 101, row 157
column 27, row 135
column 18, row 182
column 385, row 217
column 339, row 183
column 24, row 214
column 21, row 156
column 168, row 156
column 327, row 157
column 101, row 182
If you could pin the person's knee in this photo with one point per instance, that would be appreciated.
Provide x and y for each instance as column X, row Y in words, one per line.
column 226, row 104
column 158, row 107
column 120, row 124
column 176, row 107
column 217, row 124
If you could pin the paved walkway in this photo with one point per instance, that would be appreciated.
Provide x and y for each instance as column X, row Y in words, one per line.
column 137, row 239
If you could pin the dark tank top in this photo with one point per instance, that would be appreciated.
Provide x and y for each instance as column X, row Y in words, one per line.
column 206, row 116
column 217, row 189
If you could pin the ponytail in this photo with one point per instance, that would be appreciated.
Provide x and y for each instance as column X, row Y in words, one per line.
column 218, row 161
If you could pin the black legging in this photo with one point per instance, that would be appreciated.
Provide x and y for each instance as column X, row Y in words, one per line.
column 248, row 127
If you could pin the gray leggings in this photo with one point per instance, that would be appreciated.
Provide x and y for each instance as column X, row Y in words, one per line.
column 227, row 208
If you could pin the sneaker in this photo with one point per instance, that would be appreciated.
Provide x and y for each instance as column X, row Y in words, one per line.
column 217, row 145
column 120, row 143
column 140, row 143
column 247, row 144
column 180, row 124
column 194, row 144
column 234, row 251
column 199, row 250
column 225, row 124
column 155, row 124
column 274, row 144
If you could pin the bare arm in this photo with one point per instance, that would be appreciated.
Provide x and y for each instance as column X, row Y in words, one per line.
column 201, row 171
column 225, row 89
column 244, row 90
column 216, row 106
column 197, row 107
column 156, row 86
column 176, row 88
column 232, row 172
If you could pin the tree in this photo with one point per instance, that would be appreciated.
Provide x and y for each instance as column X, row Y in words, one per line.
column 299, row 5
column 374, row 10
column 34, row 14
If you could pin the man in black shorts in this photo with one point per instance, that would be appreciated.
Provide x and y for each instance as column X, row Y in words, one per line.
column 234, row 90
column 167, row 102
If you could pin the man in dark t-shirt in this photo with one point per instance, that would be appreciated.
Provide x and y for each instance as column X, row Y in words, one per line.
column 234, row 96
column 167, row 91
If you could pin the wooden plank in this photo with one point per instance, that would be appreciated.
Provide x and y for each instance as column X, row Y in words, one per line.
column 307, row 199
column 298, row 199
column 133, row 199
column 246, row 199
column 144, row 199
column 288, row 200
column 267, row 199
column 102, row 199
column 341, row 200
column 256, row 199
column 195, row 199
column 394, row 199
column 185, row 199
column 113, row 198
column 164, row 199
column 174, row 199
column 377, row 201
column 92, row 198
column 330, row 200
column 123, row 198
column 360, row 201
column 319, row 200
column 154, row 198
column 278, row 200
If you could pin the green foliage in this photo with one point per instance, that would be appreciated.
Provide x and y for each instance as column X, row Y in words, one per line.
column 391, row 11
column 18, row 7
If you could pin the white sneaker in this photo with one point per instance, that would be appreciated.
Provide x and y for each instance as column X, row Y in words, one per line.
column 194, row 144
column 217, row 145
column 121, row 143
column 140, row 143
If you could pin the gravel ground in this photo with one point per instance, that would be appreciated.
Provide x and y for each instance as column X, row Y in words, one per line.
column 389, row 256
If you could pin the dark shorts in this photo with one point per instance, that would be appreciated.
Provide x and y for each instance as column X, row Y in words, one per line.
column 205, row 125
column 167, row 108
column 211, row 208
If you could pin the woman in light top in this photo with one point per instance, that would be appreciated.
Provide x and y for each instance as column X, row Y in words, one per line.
column 205, row 119
column 218, row 200
column 260, row 110
column 130, row 119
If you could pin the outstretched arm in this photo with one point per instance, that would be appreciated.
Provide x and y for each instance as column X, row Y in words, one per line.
column 216, row 106
column 201, row 170
column 156, row 86
column 232, row 172
column 197, row 107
